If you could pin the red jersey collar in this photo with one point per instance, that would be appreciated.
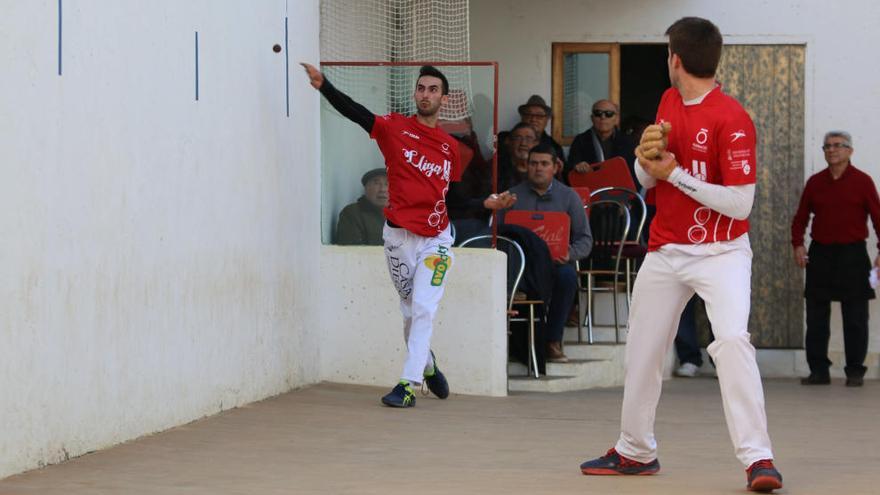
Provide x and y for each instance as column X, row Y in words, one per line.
column 711, row 95
column 423, row 126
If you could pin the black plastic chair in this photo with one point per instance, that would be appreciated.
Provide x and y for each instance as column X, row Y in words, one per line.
column 516, row 265
column 635, row 248
column 610, row 224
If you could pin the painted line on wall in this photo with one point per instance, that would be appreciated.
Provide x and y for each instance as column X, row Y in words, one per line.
column 197, row 66
column 286, row 69
column 59, row 36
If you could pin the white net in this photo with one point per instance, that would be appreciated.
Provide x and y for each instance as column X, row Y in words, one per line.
column 397, row 31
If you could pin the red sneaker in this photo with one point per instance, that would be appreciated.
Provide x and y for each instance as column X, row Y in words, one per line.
column 613, row 463
column 763, row 476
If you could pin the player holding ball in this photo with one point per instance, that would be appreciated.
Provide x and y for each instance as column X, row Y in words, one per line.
column 700, row 161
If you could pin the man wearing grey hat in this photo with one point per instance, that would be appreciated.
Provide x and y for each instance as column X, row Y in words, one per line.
column 361, row 222
column 537, row 113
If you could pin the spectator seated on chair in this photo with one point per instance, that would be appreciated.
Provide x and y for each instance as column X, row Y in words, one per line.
column 536, row 113
column 602, row 141
column 513, row 163
column 465, row 199
column 542, row 192
column 361, row 222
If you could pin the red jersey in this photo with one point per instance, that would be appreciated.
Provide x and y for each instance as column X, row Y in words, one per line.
column 421, row 161
column 714, row 141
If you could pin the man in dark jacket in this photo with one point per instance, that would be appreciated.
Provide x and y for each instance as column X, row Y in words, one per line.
column 361, row 222
column 601, row 142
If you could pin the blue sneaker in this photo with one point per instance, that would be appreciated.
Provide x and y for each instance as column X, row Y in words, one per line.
column 615, row 464
column 400, row 396
column 436, row 381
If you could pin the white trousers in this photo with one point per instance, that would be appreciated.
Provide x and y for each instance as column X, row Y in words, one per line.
column 665, row 282
column 418, row 267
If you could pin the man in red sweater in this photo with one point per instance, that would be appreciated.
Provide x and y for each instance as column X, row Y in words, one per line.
column 841, row 197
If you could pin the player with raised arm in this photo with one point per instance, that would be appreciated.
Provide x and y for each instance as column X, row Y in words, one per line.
column 421, row 161
column 700, row 160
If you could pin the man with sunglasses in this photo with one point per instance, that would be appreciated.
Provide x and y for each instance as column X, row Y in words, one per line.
column 601, row 142
column 841, row 197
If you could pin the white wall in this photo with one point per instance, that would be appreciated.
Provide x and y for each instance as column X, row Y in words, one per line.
column 158, row 254
column 362, row 329
column 841, row 73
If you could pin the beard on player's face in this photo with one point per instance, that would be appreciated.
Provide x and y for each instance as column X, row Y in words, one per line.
column 427, row 108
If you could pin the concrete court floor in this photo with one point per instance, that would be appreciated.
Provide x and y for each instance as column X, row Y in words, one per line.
column 338, row 439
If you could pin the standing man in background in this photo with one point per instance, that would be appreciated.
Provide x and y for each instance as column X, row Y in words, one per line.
column 840, row 198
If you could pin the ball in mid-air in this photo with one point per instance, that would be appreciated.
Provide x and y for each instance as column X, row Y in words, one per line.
column 276, row 48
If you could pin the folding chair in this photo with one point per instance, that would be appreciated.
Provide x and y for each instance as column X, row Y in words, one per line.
column 609, row 222
column 634, row 249
column 516, row 265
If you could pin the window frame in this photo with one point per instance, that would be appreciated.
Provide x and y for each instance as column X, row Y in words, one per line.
column 560, row 50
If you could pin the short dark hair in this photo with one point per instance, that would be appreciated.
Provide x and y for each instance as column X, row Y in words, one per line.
column 544, row 147
column 698, row 43
column 430, row 70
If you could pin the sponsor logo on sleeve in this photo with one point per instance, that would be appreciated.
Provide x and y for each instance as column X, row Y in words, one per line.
column 740, row 160
column 735, row 136
column 741, row 165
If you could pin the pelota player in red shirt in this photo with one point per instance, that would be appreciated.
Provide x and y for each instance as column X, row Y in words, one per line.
column 421, row 161
column 700, row 160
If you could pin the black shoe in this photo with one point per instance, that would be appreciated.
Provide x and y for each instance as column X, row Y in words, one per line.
column 815, row 379
column 436, row 382
column 613, row 463
column 763, row 477
column 400, row 396
column 854, row 381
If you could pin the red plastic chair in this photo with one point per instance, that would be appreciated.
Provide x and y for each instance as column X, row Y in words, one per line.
column 584, row 193
column 554, row 227
column 613, row 172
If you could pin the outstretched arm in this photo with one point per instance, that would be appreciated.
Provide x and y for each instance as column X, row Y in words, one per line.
column 343, row 104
